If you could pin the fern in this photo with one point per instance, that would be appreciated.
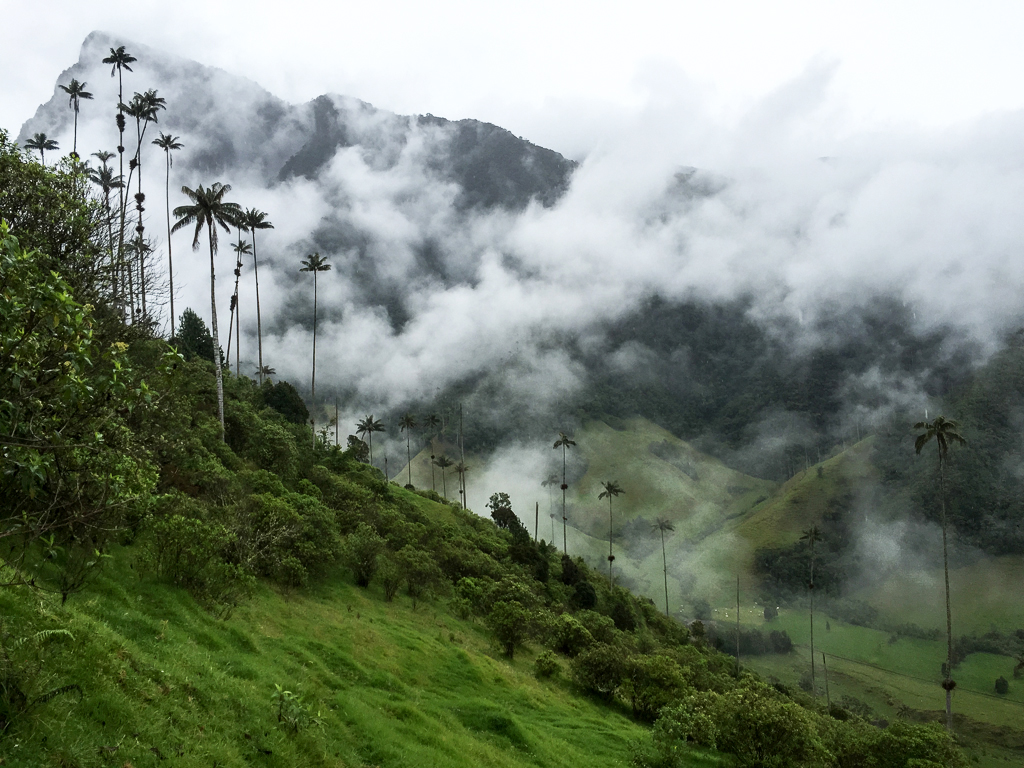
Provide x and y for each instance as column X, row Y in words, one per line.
column 43, row 636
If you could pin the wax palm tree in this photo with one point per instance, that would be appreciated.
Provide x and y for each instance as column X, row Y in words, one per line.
column 252, row 220
column 811, row 535
column 611, row 489
column 41, row 143
column 407, row 424
column 169, row 144
column 210, row 210
column 661, row 525
column 443, row 462
column 316, row 263
column 432, row 422
column 265, row 370
column 105, row 179
column 563, row 442
column 144, row 108
column 76, row 92
column 461, row 469
column 241, row 248
column 120, row 60
column 945, row 433
column 367, row 427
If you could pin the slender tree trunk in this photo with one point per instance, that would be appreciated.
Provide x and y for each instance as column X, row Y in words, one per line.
column 664, row 565
column 611, row 557
column 828, row 696
column 139, row 229
column 259, row 321
column 337, row 424
column 949, row 614
column 444, row 483
column 408, row 451
column 170, row 260
column 218, row 362
column 536, row 521
column 813, row 686
column 565, row 545
column 313, row 382
column 121, row 190
column 74, row 144
column 737, row 626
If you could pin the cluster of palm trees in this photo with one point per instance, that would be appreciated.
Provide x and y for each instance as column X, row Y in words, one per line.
column 127, row 257
column 407, row 423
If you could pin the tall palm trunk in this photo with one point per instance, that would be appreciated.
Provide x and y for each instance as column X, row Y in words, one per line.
column 611, row 557
column 313, row 382
column 121, row 189
column 408, row 451
column 139, row 228
column 813, row 688
column 949, row 614
column 664, row 566
column 217, row 362
column 259, row 322
column 170, row 260
column 565, row 546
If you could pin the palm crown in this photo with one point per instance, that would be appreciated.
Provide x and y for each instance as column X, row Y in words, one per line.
column 166, row 142
column 119, row 59
column 208, row 209
column 75, row 91
column 40, row 143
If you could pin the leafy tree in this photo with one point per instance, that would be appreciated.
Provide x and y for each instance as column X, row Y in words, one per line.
column 563, row 442
column 611, row 489
column 252, row 220
column 508, row 621
column 420, row 570
column 944, row 432
column 443, row 462
column 194, row 339
column 811, row 535
column 363, row 547
column 40, row 143
column 76, row 92
column 168, row 144
column 285, row 399
column 661, row 525
column 599, row 670
column 209, row 209
column 315, row 263
column 48, row 214
column 407, row 424
column 70, row 463
column 501, row 511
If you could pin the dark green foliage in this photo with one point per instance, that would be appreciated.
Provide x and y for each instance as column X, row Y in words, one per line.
column 784, row 569
column 193, row 340
column 1002, row 685
column 599, row 670
column 584, row 596
column 422, row 576
column 29, row 665
column 509, row 621
column 568, row 635
column 651, row 682
column 546, row 665
column 363, row 548
column 501, row 511
column 284, row 399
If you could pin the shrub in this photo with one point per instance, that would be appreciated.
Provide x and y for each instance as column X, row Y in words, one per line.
column 389, row 573
column 599, row 670
column 546, row 665
column 509, row 622
column 650, row 683
column 569, row 636
column 361, row 553
column 762, row 731
column 1002, row 685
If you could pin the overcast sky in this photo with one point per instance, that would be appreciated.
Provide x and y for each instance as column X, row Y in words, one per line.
column 560, row 72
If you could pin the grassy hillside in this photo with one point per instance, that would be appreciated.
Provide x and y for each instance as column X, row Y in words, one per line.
column 386, row 685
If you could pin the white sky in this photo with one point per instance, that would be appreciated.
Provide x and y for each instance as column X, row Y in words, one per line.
column 558, row 72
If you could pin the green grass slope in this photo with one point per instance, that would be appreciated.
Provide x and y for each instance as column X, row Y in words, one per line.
column 380, row 683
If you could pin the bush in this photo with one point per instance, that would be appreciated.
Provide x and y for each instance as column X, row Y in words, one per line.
column 1002, row 685
column 599, row 670
column 763, row 731
column 361, row 553
column 650, row 683
column 509, row 623
column 546, row 665
column 567, row 635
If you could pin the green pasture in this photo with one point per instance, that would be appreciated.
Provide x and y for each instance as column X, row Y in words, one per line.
column 379, row 684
